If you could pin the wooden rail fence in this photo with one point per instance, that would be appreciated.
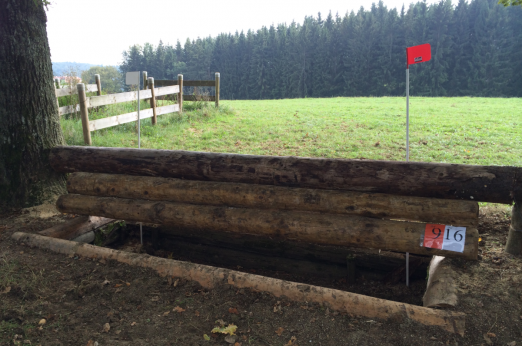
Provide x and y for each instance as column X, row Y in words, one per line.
column 95, row 101
column 194, row 83
column 69, row 91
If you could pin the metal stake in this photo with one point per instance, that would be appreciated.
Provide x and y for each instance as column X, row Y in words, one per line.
column 139, row 122
column 407, row 154
column 141, row 233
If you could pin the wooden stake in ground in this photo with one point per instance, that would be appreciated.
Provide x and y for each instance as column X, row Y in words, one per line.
column 514, row 241
column 317, row 228
column 180, row 94
column 217, row 88
column 84, row 113
column 209, row 277
column 150, row 85
column 98, row 84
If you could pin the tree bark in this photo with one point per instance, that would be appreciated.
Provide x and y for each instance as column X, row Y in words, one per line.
column 435, row 180
column 451, row 212
column 319, row 228
column 29, row 121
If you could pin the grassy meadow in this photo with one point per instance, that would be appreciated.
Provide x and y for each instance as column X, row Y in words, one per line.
column 485, row 131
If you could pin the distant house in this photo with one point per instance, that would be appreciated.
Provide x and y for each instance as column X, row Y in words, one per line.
column 67, row 79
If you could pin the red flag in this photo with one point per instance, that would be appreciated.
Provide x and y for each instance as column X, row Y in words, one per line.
column 417, row 54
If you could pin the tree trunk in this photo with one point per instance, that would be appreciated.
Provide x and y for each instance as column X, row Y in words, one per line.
column 494, row 184
column 29, row 122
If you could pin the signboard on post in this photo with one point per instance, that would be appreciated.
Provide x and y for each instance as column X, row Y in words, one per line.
column 414, row 55
column 133, row 78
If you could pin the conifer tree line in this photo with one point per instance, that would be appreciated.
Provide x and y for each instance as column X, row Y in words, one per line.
column 476, row 51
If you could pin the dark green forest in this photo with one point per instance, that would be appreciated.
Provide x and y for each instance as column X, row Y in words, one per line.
column 476, row 51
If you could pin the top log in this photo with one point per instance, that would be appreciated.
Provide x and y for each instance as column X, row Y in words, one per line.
column 495, row 184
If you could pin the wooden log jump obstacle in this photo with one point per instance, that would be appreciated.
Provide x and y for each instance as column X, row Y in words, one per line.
column 389, row 206
column 194, row 83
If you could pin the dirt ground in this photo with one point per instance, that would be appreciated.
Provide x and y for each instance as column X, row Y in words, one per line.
column 51, row 299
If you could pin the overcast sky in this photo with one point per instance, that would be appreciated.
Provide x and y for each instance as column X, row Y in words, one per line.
column 98, row 31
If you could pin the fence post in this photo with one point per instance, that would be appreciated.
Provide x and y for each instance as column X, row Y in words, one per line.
column 180, row 95
column 98, row 84
column 57, row 85
column 144, row 80
column 84, row 113
column 217, row 89
column 514, row 240
column 150, row 85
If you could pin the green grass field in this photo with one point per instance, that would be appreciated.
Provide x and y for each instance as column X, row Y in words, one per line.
column 485, row 131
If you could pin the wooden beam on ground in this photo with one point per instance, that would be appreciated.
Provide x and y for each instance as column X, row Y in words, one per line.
column 451, row 212
column 319, row 228
column 210, row 277
column 496, row 184
column 76, row 227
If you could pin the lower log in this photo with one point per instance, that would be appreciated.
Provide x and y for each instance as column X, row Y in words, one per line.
column 328, row 229
column 451, row 212
column 209, row 277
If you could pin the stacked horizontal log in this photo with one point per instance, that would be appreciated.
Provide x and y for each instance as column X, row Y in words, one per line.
column 352, row 203
column 376, row 205
column 494, row 184
column 319, row 228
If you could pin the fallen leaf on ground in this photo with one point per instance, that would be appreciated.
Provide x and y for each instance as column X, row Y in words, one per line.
column 118, row 290
column 7, row 290
column 176, row 282
column 237, row 344
column 166, row 313
column 178, row 309
column 117, row 332
column 117, row 285
column 487, row 340
column 133, row 324
column 231, row 329
column 42, row 322
column 106, row 327
column 279, row 331
column 106, row 282
column 127, row 283
column 492, row 335
column 233, row 311
column 206, row 337
column 221, row 322
column 154, row 299
column 512, row 343
column 90, row 343
column 196, row 313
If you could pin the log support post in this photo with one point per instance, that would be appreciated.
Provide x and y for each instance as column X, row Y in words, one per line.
column 514, row 241
column 144, row 80
column 150, row 85
column 84, row 113
column 98, row 84
column 180, row 95
column 217, row 89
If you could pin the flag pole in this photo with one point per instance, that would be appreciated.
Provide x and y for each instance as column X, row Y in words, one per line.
column 407, row 151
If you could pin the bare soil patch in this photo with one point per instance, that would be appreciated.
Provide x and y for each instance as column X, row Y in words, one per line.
column 78, row 297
